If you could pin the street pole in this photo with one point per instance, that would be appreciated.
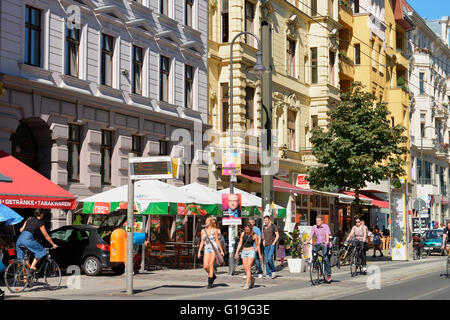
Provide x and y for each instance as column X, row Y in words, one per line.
column 257, row 68
column 130, row 224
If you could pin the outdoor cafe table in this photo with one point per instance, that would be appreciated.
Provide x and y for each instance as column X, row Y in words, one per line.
column 185, row 246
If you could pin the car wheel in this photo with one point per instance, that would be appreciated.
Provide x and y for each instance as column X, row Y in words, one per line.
column 118, row 269
column 92, row 266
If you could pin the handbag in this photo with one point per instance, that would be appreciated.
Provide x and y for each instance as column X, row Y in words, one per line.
column 219, row 258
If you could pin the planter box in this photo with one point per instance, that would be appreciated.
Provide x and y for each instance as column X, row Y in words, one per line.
column 296, row 265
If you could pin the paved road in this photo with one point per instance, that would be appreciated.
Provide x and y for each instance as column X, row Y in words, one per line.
column 398, row 280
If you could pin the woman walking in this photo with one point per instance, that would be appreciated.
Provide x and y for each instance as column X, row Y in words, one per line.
column 246, row 242
column 210, row 241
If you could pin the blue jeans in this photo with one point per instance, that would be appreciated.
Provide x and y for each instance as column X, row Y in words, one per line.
column 258, row 263
column 268, row 253
column 326, row 259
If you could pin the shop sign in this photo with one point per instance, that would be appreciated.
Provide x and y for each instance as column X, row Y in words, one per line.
column 302, row 182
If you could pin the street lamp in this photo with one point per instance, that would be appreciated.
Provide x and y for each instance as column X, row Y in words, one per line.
column 258, row 69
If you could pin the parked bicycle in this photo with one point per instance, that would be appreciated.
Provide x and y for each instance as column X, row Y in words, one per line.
column 19, row 276
column 345, row 254
column 356, row 260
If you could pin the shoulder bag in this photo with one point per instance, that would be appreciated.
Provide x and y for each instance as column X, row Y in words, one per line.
column 219, row 258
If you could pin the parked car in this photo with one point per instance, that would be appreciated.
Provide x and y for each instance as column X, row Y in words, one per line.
column 433, row 241
column 87, row 246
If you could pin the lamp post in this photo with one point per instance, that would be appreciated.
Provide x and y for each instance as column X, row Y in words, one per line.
column 258, row 69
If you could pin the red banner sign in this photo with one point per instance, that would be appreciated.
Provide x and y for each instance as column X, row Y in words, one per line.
column 39, row 203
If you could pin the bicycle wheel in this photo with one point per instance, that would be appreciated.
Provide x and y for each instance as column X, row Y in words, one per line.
column 415, row 254
column 17, row 276
column 52, row 275
column 353, row 265
column 425, row 253
column 314, row 272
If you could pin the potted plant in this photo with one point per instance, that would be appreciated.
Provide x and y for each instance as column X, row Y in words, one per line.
column 296, row 263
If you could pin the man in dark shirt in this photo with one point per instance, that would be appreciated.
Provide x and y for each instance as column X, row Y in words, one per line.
column 446, row 237
column 271, row 236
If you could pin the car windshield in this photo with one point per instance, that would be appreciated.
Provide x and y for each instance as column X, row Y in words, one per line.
column 113, row 220
column 434, row 234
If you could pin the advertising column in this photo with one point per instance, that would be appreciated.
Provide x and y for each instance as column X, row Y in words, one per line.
column 398, row 215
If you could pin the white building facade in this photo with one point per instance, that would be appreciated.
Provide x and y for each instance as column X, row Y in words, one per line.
column 88, row 81
column 429, row 121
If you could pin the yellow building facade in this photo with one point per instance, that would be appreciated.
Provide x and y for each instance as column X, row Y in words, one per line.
column 305, row 80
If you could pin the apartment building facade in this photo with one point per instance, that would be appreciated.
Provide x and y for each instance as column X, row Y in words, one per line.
column 86, row 82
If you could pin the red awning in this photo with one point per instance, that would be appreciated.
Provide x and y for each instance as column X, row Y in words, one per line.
column 375, row 201
column 30, row 189
column 278, row 185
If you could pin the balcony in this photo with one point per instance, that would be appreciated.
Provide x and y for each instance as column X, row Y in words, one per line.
column 440, row 112
column 401, row 58
column 345, row 13
column 442, row 150
column 346, row 68
column 399, row 95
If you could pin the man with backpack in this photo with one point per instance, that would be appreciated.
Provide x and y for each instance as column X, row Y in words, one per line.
column 271, row 236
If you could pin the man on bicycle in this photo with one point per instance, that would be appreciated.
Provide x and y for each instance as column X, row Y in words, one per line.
column 322, row 233
column 360, row 233
column 446, row 237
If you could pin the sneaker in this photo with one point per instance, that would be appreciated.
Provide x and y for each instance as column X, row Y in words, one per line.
column 260, row 276
column 328, row 279
column 246, row 287
column 273, row 276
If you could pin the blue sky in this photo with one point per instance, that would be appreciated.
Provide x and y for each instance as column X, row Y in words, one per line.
column 431, row 9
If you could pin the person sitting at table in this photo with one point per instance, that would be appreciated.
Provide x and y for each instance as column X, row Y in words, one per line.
column 164, row 232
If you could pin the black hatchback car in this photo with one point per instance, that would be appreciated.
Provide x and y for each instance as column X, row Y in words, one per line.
column 87, row 246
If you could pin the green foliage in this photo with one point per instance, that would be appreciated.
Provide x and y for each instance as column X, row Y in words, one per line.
column 295, row 243
column 400, row 82
column 358, row 146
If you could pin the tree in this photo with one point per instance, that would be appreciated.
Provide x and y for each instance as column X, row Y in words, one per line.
column 359, row 145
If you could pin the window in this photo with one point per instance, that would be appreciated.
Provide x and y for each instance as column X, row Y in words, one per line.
column 249, row 96
column 188, row 87
column 107, row 60
column 32, row 36
column 74, row 146
column 357, row 54
column 163, row 148
column 314, row 65
column 62, row 235
column 290, row 54
column 292, row 115
column 314, row 122
column 72, row 51
column 188, row 12
column 314, row 8
column 225, row 106
column 422, row 124
column 138, row 60
column 332, row 57
column 164, row 79
column 419, row 170
column 136, row 145
column 225, row 21
column 106, row 152
column 249, row 17
column 356, row 6
column 164, row 7
column 421, row 83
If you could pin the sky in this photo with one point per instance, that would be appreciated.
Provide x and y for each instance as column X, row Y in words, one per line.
column 431, row 9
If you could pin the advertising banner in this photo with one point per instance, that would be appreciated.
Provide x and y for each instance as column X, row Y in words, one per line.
column 399, row 246
column 231, row 209
column 231, row 160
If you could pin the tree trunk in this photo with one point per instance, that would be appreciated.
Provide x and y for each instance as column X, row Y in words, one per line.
column 355, row 207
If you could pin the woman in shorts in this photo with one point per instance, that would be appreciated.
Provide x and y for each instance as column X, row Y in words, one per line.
column 246, row 242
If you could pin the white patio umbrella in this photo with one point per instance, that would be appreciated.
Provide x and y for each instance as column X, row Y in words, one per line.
column 150, row 197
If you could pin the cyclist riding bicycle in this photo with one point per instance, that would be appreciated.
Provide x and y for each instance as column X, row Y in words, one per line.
column 322, row 233
column 446, row 238
column 359, row 231
column 26, row 238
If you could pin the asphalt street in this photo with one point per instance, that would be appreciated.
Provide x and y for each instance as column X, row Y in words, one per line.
column 397, row 280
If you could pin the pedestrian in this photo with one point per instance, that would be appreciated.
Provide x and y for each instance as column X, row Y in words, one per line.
column 376, row 241
column 210, row 242
column 322, row 233
column 257, row 230
column 247, row 241
column 271, row 236
column 281, row 252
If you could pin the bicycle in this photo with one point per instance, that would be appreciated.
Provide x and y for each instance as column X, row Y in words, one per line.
column 345, row 254
column 316, row 267
column 420, row 252
column 355, row 262
column 19, row 276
